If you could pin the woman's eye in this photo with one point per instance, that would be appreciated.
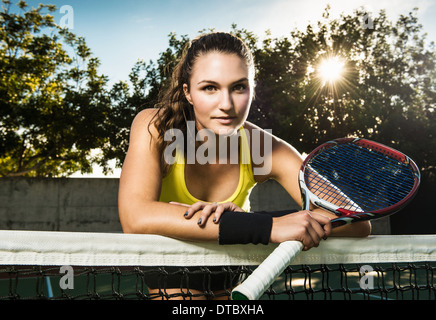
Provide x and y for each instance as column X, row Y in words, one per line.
column 239, row 87
column 209, row 88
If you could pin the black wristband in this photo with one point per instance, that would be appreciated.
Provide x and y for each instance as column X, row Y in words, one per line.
column 276, row 214
column 243, row 228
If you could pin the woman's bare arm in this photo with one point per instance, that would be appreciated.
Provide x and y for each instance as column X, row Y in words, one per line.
column 138, row 200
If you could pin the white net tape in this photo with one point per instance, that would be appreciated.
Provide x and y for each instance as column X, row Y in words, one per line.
column 114, row 249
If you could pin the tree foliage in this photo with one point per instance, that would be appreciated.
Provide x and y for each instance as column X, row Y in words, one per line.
column 53, row 101
column 146, row 80
column 55, row 107
column 386, row 93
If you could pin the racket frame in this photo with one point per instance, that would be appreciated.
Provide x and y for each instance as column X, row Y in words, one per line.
column 346, row 216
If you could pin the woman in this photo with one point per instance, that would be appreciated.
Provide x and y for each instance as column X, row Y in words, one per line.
column 196, row 190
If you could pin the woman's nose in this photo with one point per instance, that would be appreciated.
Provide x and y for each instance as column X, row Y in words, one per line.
column 226, row 102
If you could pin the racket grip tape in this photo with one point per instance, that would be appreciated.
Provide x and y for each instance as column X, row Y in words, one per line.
column 266, row 273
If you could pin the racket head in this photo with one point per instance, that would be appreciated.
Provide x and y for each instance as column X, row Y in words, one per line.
column 378, row 179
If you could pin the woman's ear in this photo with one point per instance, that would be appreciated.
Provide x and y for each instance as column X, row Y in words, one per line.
column 187, row 94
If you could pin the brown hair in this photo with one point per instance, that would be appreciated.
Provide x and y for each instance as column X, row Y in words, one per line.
column 174, row 110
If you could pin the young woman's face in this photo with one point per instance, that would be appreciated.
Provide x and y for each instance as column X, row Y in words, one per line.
column 220, row 91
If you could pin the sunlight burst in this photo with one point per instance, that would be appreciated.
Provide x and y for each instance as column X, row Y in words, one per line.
column 329, row 78
column 331, row 69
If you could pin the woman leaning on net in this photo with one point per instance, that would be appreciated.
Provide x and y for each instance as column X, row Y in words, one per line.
column 199, row 189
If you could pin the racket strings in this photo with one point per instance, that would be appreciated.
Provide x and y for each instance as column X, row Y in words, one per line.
column 389, row 173
column 371, row 195
column 345, row 175
column 323, row 189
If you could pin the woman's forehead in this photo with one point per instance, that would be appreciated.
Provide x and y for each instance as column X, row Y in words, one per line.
column 216, row 66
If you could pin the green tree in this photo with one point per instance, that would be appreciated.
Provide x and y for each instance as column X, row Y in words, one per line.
column 55, row 107
column 386, row 92
column 146, row 81
column 53, row 102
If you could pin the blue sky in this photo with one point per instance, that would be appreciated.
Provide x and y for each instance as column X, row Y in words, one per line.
column 121, row 32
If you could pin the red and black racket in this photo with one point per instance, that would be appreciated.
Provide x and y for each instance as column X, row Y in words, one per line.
column 354, row 178
column 358, row 179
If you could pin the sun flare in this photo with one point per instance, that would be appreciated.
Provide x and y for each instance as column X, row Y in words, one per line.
column 331, row 69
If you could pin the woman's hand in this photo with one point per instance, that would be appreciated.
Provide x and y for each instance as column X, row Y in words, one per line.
column 208, row 209
column 305, row 226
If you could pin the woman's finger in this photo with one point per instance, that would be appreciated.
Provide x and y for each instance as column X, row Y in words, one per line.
column 208, row 210
column 194, row 208
column 221, row 208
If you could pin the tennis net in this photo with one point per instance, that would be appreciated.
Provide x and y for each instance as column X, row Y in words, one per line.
column 74, row 265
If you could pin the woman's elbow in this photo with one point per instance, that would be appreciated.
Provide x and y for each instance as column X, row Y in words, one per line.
column 362, row 229
column 136, row 227
column 131, row 222
column 129, row 227
column 358, row 229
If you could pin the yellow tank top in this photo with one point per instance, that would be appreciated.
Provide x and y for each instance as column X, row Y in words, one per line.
column 174, row 186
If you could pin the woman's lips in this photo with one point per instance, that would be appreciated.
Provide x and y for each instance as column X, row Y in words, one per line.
column 224, row 120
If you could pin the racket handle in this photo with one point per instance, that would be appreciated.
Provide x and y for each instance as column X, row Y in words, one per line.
column 266, row 273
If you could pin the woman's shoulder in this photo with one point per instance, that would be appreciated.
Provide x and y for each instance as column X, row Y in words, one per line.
column 272, row 148
column 143, row 131
column 145, row 119
column 146, row 115
column 265, row 135
column 251, row 127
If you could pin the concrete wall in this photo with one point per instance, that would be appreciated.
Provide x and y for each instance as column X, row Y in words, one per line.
column 59, row 204
column 90, row 205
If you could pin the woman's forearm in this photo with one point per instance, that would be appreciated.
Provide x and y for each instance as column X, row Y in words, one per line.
column 164, row 219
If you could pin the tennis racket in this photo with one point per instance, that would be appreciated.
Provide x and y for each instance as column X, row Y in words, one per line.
column 356, row 179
